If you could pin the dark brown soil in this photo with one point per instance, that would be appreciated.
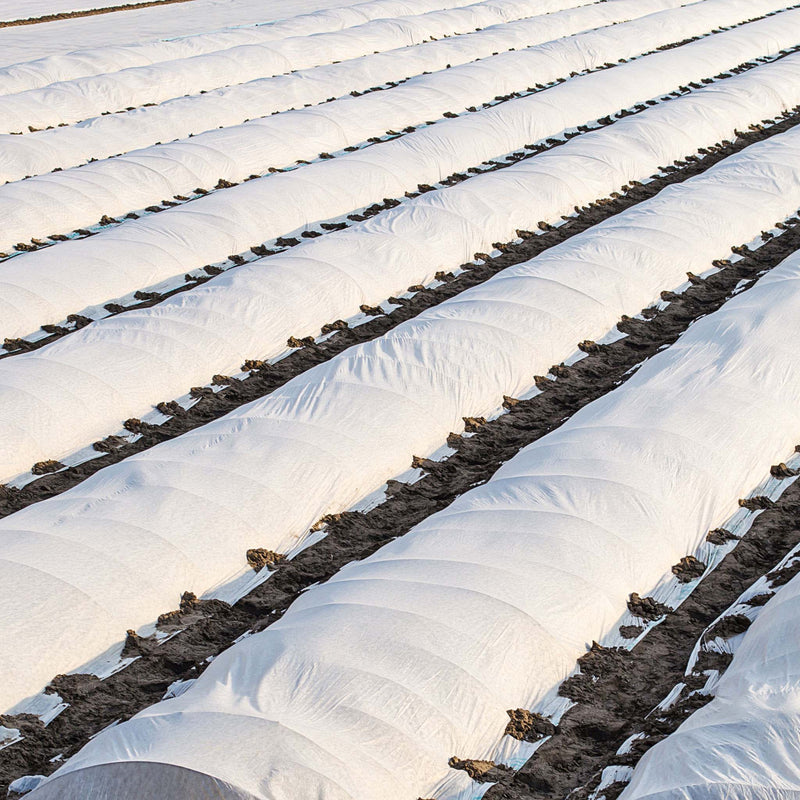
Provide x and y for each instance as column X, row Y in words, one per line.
column 15, row 346
column 617, row 703
column 212, row 626
column 688, row 569
column 728, row 627
column 528, row 726
column 13, row 23
column 265, row 378
column 478, row 770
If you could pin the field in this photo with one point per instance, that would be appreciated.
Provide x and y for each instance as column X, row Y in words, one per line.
column 400, row 400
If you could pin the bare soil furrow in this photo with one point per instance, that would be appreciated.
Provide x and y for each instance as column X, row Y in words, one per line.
column 264, row 378
column 628, row 686
column 205, row 628
column 108, row 221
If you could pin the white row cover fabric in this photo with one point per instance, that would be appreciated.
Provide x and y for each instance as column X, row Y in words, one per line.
column 372, row 681
column 65, row 201
column 82, row 98
column 121, row 365
column 120, row 42
column 744, row 745
column 241, row 150
column 46, row 285
column 11, row 10
column 115, row 551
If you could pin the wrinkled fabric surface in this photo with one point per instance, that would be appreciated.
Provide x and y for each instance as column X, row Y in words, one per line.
column 304, row 133
column 35, row 56
column 120, row 366
column 85, row 97
column 79, row 569
column 372, row 681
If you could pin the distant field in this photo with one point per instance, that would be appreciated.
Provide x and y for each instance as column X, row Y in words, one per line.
column 41, row 11
column 28, row 42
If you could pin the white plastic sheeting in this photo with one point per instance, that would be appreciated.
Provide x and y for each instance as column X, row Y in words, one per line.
column 64, row 201
column 115, row 551
column 81, row 98
column 120, row 42
column 121, row 365
column 371, row 682
column 303, row 133
column 11, row 10
column 744, row 745
column 45, row 286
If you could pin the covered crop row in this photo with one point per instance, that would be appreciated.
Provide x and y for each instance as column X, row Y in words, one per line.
column 61, row 64
column 744, row 745
column 118, row 549
column 204, row 628
column 120, row 365
column 38, row 9
column 302, row 134
column 372, row 682
column 45, row 286
column 635, row 688
column 65, row 200
column 81, row 98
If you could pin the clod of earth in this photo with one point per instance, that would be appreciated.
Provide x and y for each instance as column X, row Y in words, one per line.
column 729, row 626
column 260, row 557
column 646, row 607
column 760, row 599
column 688, row 569
column 482, row 771
column 294, row 343
column 473, row 424
column 719, row 536
column 528, row 726
column 44, row 467
column 758, row 503
column 782, row 576
column 782, row 471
